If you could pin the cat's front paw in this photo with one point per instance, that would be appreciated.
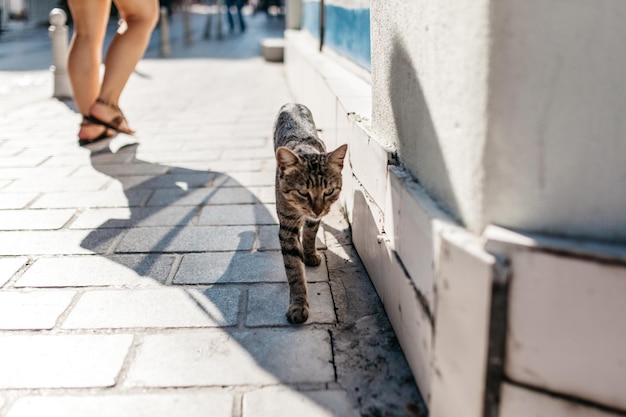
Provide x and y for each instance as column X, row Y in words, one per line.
column 312, row 259
column 297, row 313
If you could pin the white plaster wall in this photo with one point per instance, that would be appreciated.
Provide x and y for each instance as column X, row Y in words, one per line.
column 429, row 95
column 556, row 152
column 435, row 102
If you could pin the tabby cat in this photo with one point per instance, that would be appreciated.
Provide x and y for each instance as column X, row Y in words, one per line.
column 308, row 181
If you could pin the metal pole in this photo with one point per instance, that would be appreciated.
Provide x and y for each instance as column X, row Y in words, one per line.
column 58, row 37
column 164, row 33
column 187, row 22
column 322, row 24
column 220, row 22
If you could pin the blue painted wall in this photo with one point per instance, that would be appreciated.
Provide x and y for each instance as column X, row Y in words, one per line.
column 311, row 17
column 347, row 31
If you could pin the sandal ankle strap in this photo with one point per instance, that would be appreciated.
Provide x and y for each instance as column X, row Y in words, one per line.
column 107, row 103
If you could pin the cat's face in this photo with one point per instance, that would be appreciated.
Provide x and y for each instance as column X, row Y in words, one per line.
column 310, row 183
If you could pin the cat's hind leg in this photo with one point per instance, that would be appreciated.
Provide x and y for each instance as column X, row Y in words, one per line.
column 309, row 235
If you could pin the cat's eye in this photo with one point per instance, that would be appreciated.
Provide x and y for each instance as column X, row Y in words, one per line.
column 329, row 191
column 303, row 193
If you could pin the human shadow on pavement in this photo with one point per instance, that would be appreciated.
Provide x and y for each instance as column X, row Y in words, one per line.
column 229, row 266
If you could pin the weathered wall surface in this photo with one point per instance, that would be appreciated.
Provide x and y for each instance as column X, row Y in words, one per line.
column 429, row 95
column 555, row 150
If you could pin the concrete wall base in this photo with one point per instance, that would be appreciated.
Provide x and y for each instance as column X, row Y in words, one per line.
column 470, row 311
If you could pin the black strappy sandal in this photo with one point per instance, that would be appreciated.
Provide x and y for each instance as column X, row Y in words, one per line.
column 104, row 135
column 112, row 124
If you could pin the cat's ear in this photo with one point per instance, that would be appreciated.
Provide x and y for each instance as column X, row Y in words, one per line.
column 286, row 157
column 337, row 156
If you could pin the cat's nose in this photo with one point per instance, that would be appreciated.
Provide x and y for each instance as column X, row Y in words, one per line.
column 318, row 210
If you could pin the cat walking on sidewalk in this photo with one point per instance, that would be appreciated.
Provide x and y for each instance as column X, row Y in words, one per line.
column 308, row 182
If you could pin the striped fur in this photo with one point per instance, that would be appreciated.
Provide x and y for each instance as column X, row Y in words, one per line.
column 308, row 182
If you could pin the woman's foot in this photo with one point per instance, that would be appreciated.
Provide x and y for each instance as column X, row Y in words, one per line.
column 92, row 132
column 109, row 115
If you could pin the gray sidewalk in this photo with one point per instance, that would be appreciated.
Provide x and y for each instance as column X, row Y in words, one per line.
column 149, row 280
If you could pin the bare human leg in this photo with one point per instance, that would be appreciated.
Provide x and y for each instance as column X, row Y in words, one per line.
column 85, row 56
column 125, row 51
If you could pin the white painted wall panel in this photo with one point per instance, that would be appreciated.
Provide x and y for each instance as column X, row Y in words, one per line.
column 567, row 327
column 519, row 402
column 464, row 285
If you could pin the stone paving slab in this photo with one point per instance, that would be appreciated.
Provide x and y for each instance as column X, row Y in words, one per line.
column 187, row 239
column 176, row 196
column 45, row 184
column 236, row 154
column 83, row 160
column 97, row 271
column 35, row 219
column 24, row 310
column 180, row 179
column 247, row 179
column 137, row 217
column 122, row 170
column 197, row 141
column 267, row 305
column 37, row 172
column 285, row 402
column 155, row 308
column 238, row 215
column 237, row 166
column 9, row 266
column 16, row 200
column 164, row 159
column 58, row 242
column 22, row 161
column 103, row 198
column 61, row 361
column 243, row 195
column 172, row 229
column 268, row 238
column 239, row 267
column 216, row 358
column 196, row 403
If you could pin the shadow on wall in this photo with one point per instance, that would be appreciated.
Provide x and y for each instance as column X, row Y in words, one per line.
column 417, row 136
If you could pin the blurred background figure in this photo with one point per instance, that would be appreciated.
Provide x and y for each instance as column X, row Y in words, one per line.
column 231, row 21
column 168, row 6
column 269, row 7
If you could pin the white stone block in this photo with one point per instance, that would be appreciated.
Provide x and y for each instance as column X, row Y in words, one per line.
column 369, row 160
column 567, row 332
column 412, row 221
column 406, row 313
column 464, row 287
column 272, row 49
column 519, row 402
column 409, row 318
